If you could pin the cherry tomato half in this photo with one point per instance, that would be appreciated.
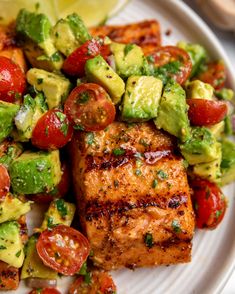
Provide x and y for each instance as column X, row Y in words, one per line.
column 52, row 130
column 209, row 203
column 101, row 282
column 74, row 64
column 214, row 75
column 4, row 182
column 59, row 192
column 63, row 249
column 203, row 112
column 89, row 107
column 177, row 60
column 12, row 81
column 45, row 291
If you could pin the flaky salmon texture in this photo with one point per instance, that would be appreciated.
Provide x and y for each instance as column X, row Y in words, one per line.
column 133, row 196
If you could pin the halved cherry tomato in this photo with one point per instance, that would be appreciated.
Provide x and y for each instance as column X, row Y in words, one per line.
column 101, row 282
column 214, row 75
column 203, row 112
column 89, row 107
column 59, row 192
column 209, row 203
column 63, row 249
column 45, row 291
column 4, row 182
column 177, row 60
column 52, row 130
column 12, row 80
column 74, row 64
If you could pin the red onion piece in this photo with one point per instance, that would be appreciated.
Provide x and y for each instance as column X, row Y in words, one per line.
column 41, row 283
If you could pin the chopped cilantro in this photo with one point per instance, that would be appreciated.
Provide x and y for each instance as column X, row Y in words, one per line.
column 61, row 207
column 218, row 213
column 39, row 81
column 148, row 240
column 18, row 253
column 154, row 184
column 61, row 116
column 176, row 226
column 138, row 172
column 46, row 131
column 79, row 127
column 50, row 222
column 128, row 48
column 90, row 138
column 150, row 59
column 83, row 98
column 162, row 175
column 118, row 151
column 143, row 142
column 64, row 129
column 55, row 57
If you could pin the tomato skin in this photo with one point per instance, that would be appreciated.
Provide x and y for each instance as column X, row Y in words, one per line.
column 12, row 82
column 60, row 191
column 101, row 282
column 90, row 107
column 209, row 203
column 74, row 64
column 4, row 182
column 45, row 291
column 54, row 249
column 167, row 54
column 203, row 112
column 52, row 130
column 215, row 75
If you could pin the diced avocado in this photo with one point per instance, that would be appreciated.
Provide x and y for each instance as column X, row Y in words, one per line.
column 11, row 246
column 59, row 212
column 69, row 33
column 34, row 29
column 228, row 128
column 201, row 147
column 197, row 54
column 9, row 151
column 11, row 208
column 33, row 266
column 210, row 170
column 54, row 86
column 28, row 115
column 217, row 129
column 225, row 94
column 198, row 89
column 172, row 113
column 7, row 114
column 228, row 162
column 35, row 172
column 141, row 98
column 129, row 60
column 98, row 71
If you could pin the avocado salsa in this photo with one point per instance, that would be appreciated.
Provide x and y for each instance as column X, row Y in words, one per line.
column 79, row 83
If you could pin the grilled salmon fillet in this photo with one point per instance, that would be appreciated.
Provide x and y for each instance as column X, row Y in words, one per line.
column 133, row 196
column 146, row 34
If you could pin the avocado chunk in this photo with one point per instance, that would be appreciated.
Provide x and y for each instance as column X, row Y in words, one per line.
column 201, row 147
column 210, row 170
column 228, row 162
column 28, row 115
column 98, row 71
column 198, row 89
column 70, row 33
column 33, row 266
column 197, row 54
column 225, row 94
column 7, row 114
column 9, row 151
column 11, row 208
column 35, row 29
column 217, row 130
column 59, row 212
column 11, row 246
column 172, row 113
column 129, row 60
column 54, row 86
column 141, row 98
column 35, row 172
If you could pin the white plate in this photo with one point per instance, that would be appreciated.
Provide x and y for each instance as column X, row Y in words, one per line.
column 213, row 251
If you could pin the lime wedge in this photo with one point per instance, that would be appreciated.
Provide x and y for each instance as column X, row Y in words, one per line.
column 10, row 8
column 93, row 12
